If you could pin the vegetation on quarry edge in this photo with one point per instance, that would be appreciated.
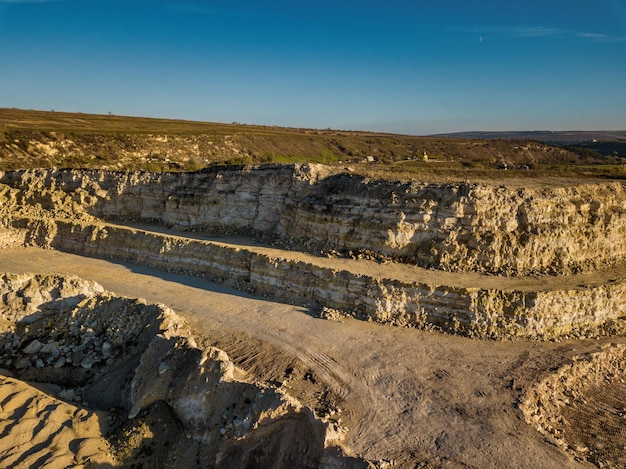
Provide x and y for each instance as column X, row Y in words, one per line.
column 31, row 139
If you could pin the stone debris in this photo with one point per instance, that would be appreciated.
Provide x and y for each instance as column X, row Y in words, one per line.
column 97, row 330
column 34, row 347
column 583, row 401
column 80, row 347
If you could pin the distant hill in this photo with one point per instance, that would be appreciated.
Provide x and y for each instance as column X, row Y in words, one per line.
column 554, row 138
column 586, row 143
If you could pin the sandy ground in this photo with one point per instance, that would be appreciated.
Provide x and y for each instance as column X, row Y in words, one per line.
column 403, row 395
column 40, row 431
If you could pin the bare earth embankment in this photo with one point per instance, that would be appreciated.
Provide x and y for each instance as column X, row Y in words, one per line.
column 313, row 318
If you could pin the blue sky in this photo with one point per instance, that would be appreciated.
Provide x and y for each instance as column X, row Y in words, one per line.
column 410, row 67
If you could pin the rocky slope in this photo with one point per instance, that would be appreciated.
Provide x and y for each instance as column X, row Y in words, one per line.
column 580, row 406
column 458, row 227
column 475, row 311
column 139, row 362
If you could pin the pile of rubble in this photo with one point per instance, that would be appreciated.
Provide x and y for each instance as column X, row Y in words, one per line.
column 139, row 362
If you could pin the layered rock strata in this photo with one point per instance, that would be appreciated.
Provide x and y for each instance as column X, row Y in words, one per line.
column 457, row 227
column 478, row 312
column 139, row 359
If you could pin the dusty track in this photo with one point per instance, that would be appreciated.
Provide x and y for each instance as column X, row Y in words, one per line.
column 402, row 394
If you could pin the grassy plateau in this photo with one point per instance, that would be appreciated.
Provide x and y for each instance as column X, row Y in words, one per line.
column 31, row 139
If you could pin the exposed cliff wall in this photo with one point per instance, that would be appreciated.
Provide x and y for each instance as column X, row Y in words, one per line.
column 476, row 312
column 454, row 227
column 458, row 227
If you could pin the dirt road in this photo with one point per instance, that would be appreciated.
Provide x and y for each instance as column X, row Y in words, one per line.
column 402, row 395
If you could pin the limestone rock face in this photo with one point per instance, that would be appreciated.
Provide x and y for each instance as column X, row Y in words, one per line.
column 457, row 227
column 476, row 312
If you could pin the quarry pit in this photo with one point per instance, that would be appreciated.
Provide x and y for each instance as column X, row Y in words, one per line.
column 304, row 316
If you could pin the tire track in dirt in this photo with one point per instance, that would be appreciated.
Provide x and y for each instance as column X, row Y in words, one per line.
column 339, row 380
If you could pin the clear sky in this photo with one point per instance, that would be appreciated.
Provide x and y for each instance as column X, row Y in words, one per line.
column 414, row 67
